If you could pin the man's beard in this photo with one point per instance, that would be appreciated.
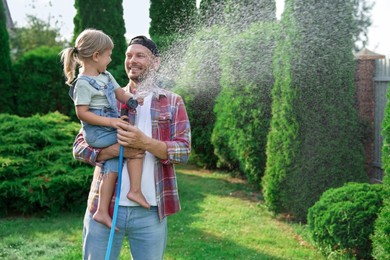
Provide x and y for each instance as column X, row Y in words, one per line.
column 146, row 75
column 146, row 83
column 138, row 78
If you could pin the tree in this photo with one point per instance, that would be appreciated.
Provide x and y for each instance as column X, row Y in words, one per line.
column 105, row 15
column 362, row 21
column 36, row 34
column 235, row 14
column 212, row 12
column 243, row 108
column 314, row 140
column 240, row 14
column 6, row 93
column 198, row 84
column 170, row 20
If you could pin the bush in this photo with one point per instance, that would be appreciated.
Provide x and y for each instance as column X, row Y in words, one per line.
column 342, row 221
column 381, row 236
column 38, row 173
column 40, row 84
column 243, row 108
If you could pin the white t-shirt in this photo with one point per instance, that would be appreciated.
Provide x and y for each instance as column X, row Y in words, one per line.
column 147, row 182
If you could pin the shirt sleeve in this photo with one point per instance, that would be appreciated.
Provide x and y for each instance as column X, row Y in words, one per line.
column 179, row 147
column 83, row 152
column 82, row 93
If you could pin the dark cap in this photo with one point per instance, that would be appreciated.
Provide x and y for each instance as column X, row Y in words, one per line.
column 144, row 41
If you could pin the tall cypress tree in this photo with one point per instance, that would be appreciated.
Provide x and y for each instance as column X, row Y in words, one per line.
column 240, row 14
column 105, row 15
column 244, row 104
column 314, row 141
column 171, row 19
column 212, row 12
column 6, row 96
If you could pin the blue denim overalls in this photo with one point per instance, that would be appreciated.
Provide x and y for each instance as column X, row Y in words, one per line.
column 103, row 136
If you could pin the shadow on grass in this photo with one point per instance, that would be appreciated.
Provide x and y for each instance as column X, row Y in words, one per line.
column 188, row 242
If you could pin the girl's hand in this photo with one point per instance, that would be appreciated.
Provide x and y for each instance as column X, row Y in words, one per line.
column 125, row 118
column 116, row 122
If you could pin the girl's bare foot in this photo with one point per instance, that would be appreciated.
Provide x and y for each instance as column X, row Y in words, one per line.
column 103, row 218
column 139, row 198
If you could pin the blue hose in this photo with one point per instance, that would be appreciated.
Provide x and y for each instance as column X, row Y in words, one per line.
column 114, row 217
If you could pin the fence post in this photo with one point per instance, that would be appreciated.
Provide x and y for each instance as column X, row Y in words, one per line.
column 365, row 99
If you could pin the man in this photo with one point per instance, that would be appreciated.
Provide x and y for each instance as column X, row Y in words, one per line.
column 163, row 133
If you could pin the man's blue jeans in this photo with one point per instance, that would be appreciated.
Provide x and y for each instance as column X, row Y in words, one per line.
column 146, row 235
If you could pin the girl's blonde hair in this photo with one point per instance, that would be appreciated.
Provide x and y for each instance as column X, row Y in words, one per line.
column 87, row 43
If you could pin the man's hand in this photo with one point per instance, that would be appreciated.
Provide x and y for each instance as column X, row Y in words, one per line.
column 130, row 136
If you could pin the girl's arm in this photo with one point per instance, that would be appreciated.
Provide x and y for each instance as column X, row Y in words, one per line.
column 122, row 95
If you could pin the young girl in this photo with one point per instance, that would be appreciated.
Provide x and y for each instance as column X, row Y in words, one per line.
column 96, row 107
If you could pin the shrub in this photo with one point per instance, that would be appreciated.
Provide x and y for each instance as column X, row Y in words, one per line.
column 342, row 221
column 38, row 173
column 243, row 108
column 40, row 84
column 381, row 236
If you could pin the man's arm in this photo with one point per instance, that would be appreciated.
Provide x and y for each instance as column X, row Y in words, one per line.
column 85, row 153
column 113, row 151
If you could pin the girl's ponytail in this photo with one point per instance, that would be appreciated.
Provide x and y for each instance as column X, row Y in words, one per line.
column 70, row 63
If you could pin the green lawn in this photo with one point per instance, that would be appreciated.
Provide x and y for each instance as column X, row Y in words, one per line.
column 221, row 218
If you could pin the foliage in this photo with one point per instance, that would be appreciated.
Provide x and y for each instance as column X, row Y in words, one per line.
column 108, row 17
column 198, row 84
column 314, row 139
column 243, row 109
column 170, row 20
column 211, row 12
column 381, row 236
column 237, row 15
column 362, row 21
column 40, row 85
column 36, row 34
column 5, row 65
column 342, row 221
column 240, row 14
column 38, row 173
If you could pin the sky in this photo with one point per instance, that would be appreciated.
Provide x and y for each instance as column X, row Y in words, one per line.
column 136, row 16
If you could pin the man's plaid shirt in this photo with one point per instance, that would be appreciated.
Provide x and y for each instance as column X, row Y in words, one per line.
column 169, row 124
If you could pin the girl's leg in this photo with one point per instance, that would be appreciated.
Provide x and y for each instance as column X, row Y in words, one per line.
column 106, row 190
column 134, row 167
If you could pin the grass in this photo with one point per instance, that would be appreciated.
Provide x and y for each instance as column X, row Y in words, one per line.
column 221, row 218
